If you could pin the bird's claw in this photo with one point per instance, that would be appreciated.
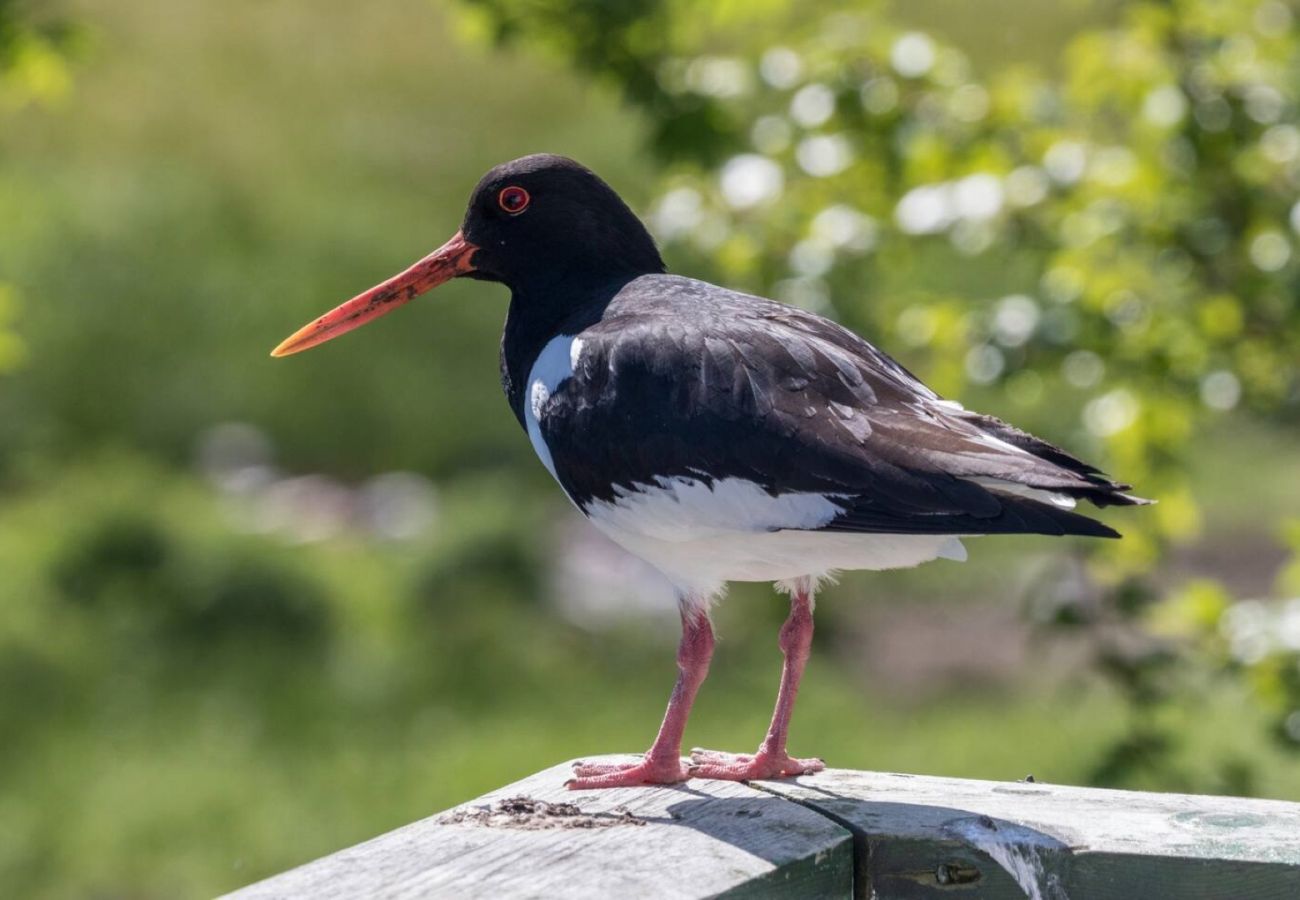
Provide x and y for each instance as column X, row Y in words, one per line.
column 749, row 766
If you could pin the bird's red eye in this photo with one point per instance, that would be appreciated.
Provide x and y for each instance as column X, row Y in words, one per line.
column 513, row 200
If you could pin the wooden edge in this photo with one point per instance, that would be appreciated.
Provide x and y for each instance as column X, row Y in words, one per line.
column 925, row 837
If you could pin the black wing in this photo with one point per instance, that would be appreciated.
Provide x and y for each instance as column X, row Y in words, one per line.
column 697, row 382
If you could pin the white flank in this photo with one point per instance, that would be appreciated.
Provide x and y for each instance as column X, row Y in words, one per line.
column 554, row 365
column 952, row 549
column 702, row 536
column 688, row 509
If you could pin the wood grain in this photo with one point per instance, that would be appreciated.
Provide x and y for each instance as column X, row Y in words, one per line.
column 839, row 833
column 534, row 838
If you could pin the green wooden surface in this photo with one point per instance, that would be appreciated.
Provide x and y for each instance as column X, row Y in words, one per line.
column 839, row 833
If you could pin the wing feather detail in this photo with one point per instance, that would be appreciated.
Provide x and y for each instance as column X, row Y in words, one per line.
column 679, row 381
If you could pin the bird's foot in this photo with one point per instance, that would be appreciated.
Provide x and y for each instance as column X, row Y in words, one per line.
column 670, row 770
column 749, row 766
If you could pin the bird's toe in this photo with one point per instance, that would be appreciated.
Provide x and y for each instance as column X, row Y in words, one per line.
column 588, row 776
column 750, row 767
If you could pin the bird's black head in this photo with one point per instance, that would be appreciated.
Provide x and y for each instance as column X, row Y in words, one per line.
column 545, row 221
column 543, row 225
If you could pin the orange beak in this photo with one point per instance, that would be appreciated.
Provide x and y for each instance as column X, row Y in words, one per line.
column 451, row 259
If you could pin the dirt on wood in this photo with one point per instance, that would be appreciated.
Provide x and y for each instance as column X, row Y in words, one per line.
column 528, row 814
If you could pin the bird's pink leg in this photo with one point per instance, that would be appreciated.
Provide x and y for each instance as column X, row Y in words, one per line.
column 772, row 760
column 662, row 763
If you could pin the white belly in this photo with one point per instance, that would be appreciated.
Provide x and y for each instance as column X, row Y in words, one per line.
column 702, row 536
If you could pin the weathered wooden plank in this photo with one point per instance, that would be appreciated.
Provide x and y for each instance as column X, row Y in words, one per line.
column 920, row 837
column 534, row 838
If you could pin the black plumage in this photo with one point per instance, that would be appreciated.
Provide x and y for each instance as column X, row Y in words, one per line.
column 679, row 378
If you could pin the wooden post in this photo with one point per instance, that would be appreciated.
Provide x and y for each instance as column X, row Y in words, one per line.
column 839, row 833
column 920, row 837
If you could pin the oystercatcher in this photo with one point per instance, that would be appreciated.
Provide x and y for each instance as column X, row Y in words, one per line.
column 721, row 436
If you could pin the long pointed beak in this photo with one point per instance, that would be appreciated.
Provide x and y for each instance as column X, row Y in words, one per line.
column 451, row 259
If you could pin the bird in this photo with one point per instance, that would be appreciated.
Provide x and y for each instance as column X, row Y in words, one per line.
column 721, row 436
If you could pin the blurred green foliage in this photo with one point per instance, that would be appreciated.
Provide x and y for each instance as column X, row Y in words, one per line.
column 218, row 660
column 32, row 69
column 33, row 56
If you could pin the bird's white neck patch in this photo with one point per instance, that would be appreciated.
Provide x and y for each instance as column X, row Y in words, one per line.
column 554, row 365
